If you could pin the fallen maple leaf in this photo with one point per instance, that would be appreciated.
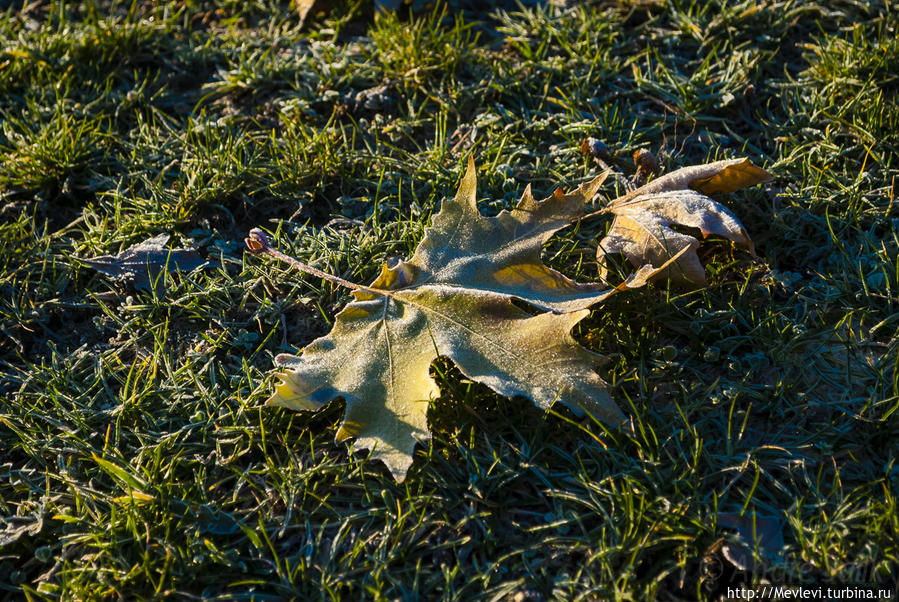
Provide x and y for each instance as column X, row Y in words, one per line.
column 309, row 9
column 454, row 299
column 142, row 263
column 642, row 229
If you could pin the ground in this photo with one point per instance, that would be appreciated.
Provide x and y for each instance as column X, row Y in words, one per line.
column 136, row 457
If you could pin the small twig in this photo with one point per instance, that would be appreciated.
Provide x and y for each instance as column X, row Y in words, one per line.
column 625, row 182
column 257, row 242
column 597, row 150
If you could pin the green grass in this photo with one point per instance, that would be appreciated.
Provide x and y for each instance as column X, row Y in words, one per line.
column 136, row 458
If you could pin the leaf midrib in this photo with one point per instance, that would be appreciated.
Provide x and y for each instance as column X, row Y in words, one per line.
column 428, row 309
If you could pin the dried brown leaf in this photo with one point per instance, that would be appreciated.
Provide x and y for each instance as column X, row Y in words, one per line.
column 644, row 229
column 721, row 176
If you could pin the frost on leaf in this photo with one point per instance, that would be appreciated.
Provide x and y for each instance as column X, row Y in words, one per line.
column 454, row 299
column 642, row 229
column 142, row 263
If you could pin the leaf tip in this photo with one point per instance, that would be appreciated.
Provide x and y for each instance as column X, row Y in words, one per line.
column 467, row 193
column 527, row 199
column 590, row 189
column 291, row 394
column 730, row 176
column 347, row 430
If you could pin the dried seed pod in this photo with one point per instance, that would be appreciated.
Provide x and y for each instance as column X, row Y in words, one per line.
column 645, row 160
column 596, row 149
column 647, row 164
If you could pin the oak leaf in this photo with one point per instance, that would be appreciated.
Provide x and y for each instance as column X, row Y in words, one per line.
column 642, row 229
column 454, row 298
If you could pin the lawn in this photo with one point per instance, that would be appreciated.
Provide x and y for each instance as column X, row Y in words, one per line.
column 137, row 458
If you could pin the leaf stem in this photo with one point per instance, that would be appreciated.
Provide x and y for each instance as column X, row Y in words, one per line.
column 597, row 213
column 257, row 242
